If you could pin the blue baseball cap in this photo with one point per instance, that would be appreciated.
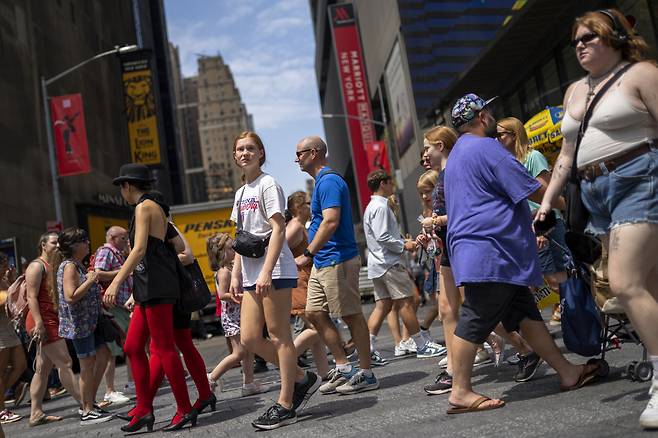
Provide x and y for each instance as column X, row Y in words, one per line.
column 467, row 107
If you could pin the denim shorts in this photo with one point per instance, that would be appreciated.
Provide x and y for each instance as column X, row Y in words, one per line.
column 86, row 347
column 627, row 195
column 552, row 257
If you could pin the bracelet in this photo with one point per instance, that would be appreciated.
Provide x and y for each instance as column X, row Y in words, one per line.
column 308, row 253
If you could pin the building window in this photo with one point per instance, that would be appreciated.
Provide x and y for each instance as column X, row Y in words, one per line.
column 551, row 83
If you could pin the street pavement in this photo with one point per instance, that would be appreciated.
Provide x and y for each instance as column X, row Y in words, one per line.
column 609, row 408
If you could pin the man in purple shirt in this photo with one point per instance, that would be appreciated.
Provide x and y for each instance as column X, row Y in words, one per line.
column 493, row 252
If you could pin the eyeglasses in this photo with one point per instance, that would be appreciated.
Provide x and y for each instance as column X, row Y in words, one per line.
column 585, row 39
column 302, row 152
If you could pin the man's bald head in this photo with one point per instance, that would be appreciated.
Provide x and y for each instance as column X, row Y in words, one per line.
column 117, row 236
column 314, row 142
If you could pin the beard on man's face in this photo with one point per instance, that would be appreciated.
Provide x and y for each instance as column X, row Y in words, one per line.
column 490, row 126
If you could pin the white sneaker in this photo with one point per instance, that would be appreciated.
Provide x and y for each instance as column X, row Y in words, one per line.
column 116, row 398
column 253, row 389
column 409, row 345
column 481, row 358
column 443, row 363
column 399, row 350
column 430, row 349
column 129, row 388
column 649, row 417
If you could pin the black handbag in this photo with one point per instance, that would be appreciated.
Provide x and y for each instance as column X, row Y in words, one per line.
column 108, row 329
column 245, row 243
column 576, row 214
column 194, row 294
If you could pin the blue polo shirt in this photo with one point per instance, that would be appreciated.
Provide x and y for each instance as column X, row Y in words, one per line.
column 331, row 191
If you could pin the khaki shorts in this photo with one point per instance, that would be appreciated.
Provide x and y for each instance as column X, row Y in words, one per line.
column 394, row 284
column 335, row 289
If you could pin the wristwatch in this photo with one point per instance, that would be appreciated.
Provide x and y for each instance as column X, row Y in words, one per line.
column 308, row 254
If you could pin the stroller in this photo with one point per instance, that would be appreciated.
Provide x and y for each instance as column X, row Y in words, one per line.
column 616, row 327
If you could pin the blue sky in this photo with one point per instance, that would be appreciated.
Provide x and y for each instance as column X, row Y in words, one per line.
column 270, row 47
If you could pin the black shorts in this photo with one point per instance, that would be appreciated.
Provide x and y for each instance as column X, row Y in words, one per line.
column 445, row 258
column 487, row 304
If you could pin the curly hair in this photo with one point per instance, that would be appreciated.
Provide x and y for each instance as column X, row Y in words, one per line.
column 217, row 247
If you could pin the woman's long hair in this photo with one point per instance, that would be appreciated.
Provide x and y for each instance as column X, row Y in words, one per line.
column 217, row 249
column 521, row 143
column 65, row 242
column 635, row 49
column 443, row 134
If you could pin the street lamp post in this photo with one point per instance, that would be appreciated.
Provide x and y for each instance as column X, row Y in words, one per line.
column 46, row 112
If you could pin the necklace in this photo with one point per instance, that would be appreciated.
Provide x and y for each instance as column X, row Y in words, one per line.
column 592, row 83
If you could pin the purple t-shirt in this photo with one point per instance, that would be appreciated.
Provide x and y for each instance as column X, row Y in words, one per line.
column 490, row 234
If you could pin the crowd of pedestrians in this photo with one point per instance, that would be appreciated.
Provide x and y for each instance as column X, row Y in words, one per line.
column 484, row 191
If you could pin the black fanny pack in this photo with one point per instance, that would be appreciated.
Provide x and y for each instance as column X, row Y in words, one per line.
column 245, row 243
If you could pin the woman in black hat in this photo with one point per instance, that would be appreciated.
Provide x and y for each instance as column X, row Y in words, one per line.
column 156, row 290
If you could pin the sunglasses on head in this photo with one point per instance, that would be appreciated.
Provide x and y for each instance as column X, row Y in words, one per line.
column 585, row 39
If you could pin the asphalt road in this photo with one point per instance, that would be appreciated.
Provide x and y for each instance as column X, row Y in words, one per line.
column 609, row 408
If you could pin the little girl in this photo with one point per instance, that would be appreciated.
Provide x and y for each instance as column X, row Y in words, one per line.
column 220, row 256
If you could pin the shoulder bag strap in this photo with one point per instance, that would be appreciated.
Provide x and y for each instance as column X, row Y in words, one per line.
column 239, row 222
column 588, row 115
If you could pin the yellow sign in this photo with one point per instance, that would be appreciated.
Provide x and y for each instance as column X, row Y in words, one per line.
column 544, row 132
column 545, row 296
column 98, row 226
column 141, row 111
column 197, row 227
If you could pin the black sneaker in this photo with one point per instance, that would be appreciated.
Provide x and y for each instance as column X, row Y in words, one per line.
column 95, row 416
column 303, row 391
column 441, row 385
column 527, row 367
column 275, row 417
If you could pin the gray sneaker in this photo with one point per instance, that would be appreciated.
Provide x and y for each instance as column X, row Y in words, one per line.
column 377, row 360
column 335, row 379
column 359, row 383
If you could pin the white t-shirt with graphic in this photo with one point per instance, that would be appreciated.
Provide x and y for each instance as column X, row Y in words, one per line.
column 262, row 199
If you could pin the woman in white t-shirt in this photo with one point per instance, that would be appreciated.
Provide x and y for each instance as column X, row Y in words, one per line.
column 268, row 281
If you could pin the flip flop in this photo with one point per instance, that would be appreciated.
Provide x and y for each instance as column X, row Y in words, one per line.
column 474, row 407
column 585, row 376
column 45, row 419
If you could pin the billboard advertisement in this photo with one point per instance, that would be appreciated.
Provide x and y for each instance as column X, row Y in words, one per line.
column 367, row 153
column 140, row 107
column 70, row 134
column 399, row 100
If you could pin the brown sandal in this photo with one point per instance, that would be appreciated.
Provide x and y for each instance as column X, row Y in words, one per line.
column 45, row 419
column 474, row 407
column 585, row 376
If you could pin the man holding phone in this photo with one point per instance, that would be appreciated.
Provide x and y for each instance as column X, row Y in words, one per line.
column 493, row 251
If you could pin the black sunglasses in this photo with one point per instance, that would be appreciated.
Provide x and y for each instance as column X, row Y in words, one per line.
column 585, row 39
column 303, row 151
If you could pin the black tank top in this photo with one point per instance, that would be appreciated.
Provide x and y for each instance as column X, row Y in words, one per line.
column 155, row 279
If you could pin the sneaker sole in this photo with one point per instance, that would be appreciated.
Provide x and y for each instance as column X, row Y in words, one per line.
column 275, row 426
column 378, row 364
column 437, row 391
column 541, row 361
column 13, row 420
column 356, row 391
column 426, row 356
column 312, row 390
column 97, row 421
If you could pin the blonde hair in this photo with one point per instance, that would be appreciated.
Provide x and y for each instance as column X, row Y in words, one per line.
column 521, row 143
column 217, row 247
column 444, row 134
column 635, row 49
column 427, row 180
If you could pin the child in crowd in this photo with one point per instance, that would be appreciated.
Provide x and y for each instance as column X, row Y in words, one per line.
column 220, row 256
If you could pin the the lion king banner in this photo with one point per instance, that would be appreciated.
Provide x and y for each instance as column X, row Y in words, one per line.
column 140, row 107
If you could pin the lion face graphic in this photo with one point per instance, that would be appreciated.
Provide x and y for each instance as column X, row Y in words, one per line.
column 140, row 103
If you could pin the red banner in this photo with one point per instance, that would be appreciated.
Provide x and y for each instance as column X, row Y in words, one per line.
column 70, row 135
column 367, row 153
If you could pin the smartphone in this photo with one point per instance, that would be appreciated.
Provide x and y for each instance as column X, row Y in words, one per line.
column 542, row 228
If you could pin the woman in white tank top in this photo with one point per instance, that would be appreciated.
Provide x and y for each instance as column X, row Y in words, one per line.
column 618, row 166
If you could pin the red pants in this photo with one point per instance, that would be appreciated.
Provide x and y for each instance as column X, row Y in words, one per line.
column 156, row 322
column 193, row 361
